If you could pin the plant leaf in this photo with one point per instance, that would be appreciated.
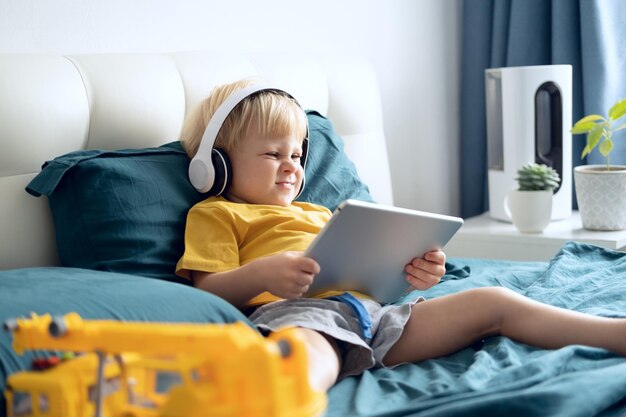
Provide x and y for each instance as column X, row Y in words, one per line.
column 618, row 109
column 582, row 127
column 590, row 118
column 606, row 147
column 586, row 151
column 594, row 136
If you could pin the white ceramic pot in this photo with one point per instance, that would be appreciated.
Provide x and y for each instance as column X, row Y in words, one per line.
column 601, row 196
column 530, row 211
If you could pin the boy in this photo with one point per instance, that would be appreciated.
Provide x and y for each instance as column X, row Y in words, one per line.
column 246, row 246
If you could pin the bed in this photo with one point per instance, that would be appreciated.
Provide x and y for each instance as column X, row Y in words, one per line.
column 94, row 197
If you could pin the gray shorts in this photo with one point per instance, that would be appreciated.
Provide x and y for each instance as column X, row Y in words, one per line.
column 339, row 321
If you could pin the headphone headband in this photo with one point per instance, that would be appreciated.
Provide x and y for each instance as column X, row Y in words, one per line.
column 201, row 170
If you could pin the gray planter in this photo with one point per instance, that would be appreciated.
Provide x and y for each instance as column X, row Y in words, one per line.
column 601, row 196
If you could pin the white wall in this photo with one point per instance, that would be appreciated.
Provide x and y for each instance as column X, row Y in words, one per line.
column 413, row 44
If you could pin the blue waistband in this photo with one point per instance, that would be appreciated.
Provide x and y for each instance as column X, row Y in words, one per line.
column 365, row 322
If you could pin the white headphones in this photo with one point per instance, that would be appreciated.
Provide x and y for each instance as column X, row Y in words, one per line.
column 210, row 170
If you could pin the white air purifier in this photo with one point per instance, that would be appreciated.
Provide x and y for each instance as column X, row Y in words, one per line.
column 529, row 115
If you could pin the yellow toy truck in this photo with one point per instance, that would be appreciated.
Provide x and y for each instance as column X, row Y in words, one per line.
column 137, row 369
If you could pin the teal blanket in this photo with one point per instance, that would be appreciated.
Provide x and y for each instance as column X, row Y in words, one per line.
column 500, row 377
column 497, row 377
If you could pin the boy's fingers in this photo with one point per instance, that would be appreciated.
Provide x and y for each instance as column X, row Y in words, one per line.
column 418, row 283
column 436, row 256
column 421, row 267
column 310, row 266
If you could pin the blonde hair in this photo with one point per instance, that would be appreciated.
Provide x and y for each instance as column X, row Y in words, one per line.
column 270, row 113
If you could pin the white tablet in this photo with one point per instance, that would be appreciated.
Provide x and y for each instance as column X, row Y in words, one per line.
column 365, row 246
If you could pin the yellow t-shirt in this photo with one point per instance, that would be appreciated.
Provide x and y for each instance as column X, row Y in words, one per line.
column 221, row 235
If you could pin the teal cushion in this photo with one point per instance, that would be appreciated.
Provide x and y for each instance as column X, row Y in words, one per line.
column 99, row 295
column 124, row 211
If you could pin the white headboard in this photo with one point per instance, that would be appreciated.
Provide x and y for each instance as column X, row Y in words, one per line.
column 53, row 104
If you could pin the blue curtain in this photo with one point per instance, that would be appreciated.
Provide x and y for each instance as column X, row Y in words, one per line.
column 590, row 35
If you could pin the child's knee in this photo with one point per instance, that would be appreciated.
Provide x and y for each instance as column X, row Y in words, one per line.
column 496, row 303
column 324, row 359
column 321, row 344
column 494, row 294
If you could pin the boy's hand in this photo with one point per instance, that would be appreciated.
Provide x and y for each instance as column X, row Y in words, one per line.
column 423, row 273
column 288, row 274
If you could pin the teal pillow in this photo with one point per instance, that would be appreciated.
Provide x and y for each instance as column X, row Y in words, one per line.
column 124, row 211
column 331, row 176
column 98, row 295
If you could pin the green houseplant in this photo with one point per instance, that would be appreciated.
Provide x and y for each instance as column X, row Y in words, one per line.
column 601, row 189
column 530, row 206
column 600, row 129
column 537, row 177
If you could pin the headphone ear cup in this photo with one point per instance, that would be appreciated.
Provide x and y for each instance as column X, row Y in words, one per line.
column 223, row 172
column 305, row 151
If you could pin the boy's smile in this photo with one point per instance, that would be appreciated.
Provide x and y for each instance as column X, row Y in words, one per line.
column 266, row 170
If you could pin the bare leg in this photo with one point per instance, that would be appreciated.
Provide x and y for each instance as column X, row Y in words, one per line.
column 447, row 324
column 324, row 362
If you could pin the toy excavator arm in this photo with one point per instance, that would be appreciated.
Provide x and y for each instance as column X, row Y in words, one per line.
column 70, row 332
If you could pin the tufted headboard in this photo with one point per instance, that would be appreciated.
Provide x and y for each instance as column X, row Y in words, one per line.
column 53, row 104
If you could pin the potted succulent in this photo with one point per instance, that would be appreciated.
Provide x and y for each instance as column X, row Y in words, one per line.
column 601, row 189
column 530, row 206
